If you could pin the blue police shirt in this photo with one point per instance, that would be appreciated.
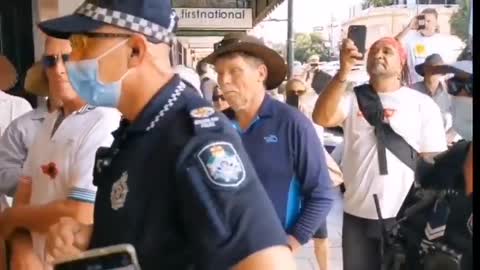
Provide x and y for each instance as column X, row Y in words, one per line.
column 178, row 185
column 289, row 159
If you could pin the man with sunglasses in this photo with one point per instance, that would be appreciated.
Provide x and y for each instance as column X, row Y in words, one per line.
column 57, row 175
column 435, row 87
column 176, row 182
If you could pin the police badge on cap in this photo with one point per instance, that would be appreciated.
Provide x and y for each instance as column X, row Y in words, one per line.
column 222, row 165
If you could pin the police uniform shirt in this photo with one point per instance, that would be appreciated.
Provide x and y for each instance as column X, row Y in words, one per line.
column 289, row 159
column 447, row 174
column 178, row 185
column 14, row 145
column 60, row 161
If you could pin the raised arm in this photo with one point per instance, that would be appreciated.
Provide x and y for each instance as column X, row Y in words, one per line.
column 413, row 25
column 328, row 110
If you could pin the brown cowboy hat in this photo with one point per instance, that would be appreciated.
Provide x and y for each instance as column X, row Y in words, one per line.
column 36, row 81
column 8, row 74
column 240, row 42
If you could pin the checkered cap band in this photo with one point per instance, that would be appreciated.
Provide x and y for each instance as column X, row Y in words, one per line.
column 125, row 20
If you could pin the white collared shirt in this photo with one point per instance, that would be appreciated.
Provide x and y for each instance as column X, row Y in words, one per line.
column 11, row 107
column 60, row 166
column 14, row 145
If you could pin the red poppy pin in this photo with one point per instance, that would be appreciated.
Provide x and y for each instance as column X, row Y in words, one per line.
column 50, row 169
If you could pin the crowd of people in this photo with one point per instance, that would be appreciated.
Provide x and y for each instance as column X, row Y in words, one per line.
column 224, row 166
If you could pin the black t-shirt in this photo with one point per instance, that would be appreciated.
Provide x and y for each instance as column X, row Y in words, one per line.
column 178, row 185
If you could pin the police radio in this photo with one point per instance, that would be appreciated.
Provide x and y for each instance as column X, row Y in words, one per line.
column 118, row 257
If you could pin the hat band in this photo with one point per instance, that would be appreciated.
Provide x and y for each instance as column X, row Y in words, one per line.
column 150, row 29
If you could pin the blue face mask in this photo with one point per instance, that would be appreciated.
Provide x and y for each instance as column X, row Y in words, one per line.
column 84, row 76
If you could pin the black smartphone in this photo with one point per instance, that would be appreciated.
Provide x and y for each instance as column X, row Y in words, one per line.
column 420, row 22
column 119, row 257
column 358, row 34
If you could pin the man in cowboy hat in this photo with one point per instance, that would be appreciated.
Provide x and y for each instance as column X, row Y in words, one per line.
column 280, row 140
column 176, row 182
column 434, row 86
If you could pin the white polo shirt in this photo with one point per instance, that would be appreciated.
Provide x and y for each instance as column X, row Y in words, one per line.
column 11, row 107
column 61, row 166
column 412, row 115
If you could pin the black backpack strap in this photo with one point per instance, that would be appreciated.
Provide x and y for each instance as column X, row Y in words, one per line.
column 371, row 107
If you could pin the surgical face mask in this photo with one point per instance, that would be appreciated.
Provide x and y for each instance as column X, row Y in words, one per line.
column 462, row 114
column 84, row 76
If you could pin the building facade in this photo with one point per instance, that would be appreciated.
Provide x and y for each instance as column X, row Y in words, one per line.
column 390, row 20
column 23, row 43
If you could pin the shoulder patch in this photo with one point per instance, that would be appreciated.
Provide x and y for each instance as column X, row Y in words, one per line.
column 222, row 164
column 202, row 112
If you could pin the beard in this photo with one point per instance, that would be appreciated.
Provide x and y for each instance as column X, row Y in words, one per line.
column 380, row 70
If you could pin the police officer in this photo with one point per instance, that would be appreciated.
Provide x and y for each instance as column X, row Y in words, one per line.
column 176, row 182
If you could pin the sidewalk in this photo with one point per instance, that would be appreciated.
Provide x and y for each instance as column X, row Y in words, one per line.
column 306, row 258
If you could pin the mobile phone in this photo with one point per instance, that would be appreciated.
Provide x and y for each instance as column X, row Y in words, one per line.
column 358, row 34
column 118, row 257
column 420, row 22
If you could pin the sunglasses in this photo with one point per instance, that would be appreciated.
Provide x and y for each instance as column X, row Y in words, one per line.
column 79, row 40
column 50, row 60
column 218, row 97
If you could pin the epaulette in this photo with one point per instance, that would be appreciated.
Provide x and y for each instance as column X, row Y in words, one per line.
column 205, row 118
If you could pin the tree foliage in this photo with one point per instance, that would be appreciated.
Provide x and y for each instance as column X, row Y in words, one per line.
column 308, row 44
column 376, row 3
column 459, row 21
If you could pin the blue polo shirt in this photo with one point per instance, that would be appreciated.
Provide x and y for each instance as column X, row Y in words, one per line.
column 289, row 159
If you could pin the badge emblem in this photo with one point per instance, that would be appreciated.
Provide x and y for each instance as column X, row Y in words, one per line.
column 222, row 165
column 202, row 112
column 118, row 196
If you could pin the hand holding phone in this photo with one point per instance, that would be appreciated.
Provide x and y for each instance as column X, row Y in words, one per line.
column 420, row 22
column 349, row 55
